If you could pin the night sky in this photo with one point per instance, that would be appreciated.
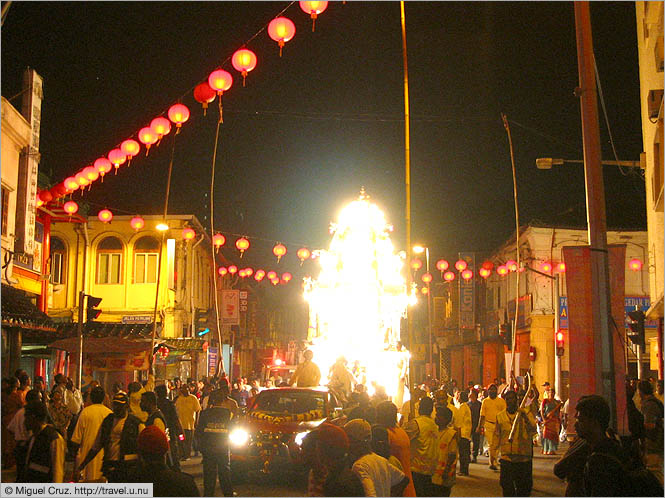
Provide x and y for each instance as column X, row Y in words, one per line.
column 312, row 127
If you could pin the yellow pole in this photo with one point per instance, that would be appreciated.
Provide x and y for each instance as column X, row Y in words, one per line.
column 407, row 184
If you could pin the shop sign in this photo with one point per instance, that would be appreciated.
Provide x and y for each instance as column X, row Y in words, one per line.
column 120, row 362
column 33, row 261
column 137, row 319
column 467, row 318
column 630, row 303
column 230, row 307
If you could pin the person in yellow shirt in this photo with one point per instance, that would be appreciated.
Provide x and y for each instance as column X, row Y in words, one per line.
column 307, row 374
column 490, row 408
column 443, row 478
column 463, row 425
column 516, row 476
column 187, row 406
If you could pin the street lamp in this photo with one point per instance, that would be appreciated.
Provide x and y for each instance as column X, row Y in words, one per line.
column 418, row 249
column 548, row 162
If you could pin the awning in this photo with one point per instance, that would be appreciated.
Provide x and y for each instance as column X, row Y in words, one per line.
column 19, row 312
column 105, row 337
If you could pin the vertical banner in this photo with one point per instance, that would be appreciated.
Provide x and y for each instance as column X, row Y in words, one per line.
column 213, row 358
column 467, row 299
column 230, row 311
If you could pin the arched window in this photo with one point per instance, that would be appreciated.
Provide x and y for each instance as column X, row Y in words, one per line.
column 146, row 252
column 58, row 260
column 109, row 261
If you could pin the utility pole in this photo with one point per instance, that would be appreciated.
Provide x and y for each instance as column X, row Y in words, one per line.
column 595, row 200
column 79, row 329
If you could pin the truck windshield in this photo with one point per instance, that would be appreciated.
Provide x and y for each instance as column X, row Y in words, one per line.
column 289, row 402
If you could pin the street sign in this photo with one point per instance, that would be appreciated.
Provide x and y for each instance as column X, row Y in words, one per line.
column 137, row 319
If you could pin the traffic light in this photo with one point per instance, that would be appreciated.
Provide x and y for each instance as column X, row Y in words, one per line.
column 506, row 334
column 91, row 308
column 636, row 324
column 201, row 322
column 559, row 343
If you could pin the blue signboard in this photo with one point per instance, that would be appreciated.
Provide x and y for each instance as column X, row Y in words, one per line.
column 630, row 303
column 212, row 361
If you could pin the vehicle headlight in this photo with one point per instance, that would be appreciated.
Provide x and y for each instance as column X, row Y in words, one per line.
column 239, row 437
column 299, row 437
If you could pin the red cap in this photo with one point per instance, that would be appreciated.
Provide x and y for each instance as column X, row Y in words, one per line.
column 152, row 441
column 333, row 435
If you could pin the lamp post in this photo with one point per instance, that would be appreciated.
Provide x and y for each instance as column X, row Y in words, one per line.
column 420, row 250
column 548, row 162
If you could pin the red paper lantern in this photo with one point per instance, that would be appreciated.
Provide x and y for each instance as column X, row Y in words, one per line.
column 130, row 148
column 218, row 240
column 313, row 9
column 188, row 233
column 91, row 173
column 222, row 270
column 424, row 290
column 117, row 157
column 546, row 267
column 467, row 274
column 147, row 137
column 511, row 265
column 271, row 275
column 59, row 190
column 488, row 265
column 461, row 265
column 242, row 273
column 449, row 276
column 502, row 270
column 427, row 278
column 45, row 196
column 70, row 207
column 203, row 94
column 635, row 264
column 220, row 81
column 103, row 166
column 281, row 30
column 233, row 269
column 286, row 276
column 484, row 272
column 416, row 264
column 242, row 244
column 274, row 281
column 259, row 275
column 105, row 216
column 244, row 60
column 303, row 254
column 161, row 126
column 39, row 202
column 81, row 179
column 178, row 114
column 561, row 267
column 249, row 271
column 137, row 223
column 442, row 265
column 71, row 184
column 279, row 250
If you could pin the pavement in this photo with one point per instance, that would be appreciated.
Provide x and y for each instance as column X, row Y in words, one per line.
column 481, row 482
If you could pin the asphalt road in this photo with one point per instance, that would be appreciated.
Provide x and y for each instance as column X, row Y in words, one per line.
column 481, row 482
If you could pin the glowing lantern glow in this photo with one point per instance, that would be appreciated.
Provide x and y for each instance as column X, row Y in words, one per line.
column 313, row 9
column 484, row 272
column 218, row 240
column 424, row 290
column 91, row 173
column 81, row 179
column 271, row 275
column 233, row 269
column 274, row 281
column 279, row 250
column 45, row 196
column 117, row 157
column 222, row 270
column 467, row 274
column 203, row 94
column 70, row 207
column 281, row 30
column 249, row 271
column 40, row 202
column 242, row 244
column 416, row 264
column 427, row 278
column 502, row 270
column 303, row 254
column 442, row 265
column 220, row 81
column 461, row 265
column 287, row 276
column 105, row 216
column 71, row 184
column 546, row 267
column 103, row 166
column 161, row 126
column 178, row 114
column 188, row 233
column 130, row 148
column 147, row 137
column 137, row 223
column 242, row 273
column 635, row 264
column 259, row 275
column 511, row 265
column 561, row 267
column 449, row 276
column 487, row 265
column 244, row 60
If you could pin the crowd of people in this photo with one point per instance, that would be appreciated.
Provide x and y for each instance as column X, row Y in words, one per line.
column 143, row 433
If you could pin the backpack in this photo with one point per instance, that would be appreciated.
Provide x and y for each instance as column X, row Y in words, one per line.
column 639, row 480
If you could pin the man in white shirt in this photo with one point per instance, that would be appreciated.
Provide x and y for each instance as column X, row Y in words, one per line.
column 377, row 475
